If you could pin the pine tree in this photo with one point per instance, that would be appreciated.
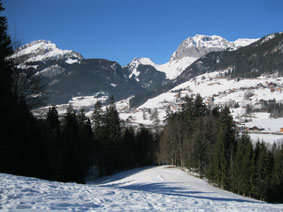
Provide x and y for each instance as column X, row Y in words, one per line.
column 200, row 156
column 219, row 167
column 112, row 122
column 168, row 148
column 86, row 143
column 145, row 147
column 5, row 63
column 199, row 107
column 7, row 100
column 112, row 142
column 189, row 109
column 276, row 188
column 129, row 159
column 98, row 121
column 54, row 144
column 263, row 164
column 74, row 169
column 243, row 166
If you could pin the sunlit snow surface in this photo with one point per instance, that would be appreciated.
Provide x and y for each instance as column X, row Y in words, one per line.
column 144, row 189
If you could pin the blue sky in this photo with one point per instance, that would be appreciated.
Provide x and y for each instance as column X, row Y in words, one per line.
column 120, row 30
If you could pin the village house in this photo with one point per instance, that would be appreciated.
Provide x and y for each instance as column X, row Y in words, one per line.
column 256, row 129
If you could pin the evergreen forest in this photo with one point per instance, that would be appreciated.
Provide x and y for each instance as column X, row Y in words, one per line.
column 206, row 141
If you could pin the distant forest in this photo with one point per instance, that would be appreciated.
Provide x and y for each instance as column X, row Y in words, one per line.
column 72, row 147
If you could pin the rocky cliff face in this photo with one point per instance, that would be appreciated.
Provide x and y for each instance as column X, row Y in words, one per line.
column 199, row 45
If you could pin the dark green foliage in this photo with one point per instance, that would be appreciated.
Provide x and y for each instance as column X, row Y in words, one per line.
column 54, row 144
column 129, row 149
column 145, row 147
column 6, row 65
column 187, row 136
column 243, row 166
column 21, row 146
column 115, row 150
column 219, row 167
column 276, row 188
column 71, row 147
column 263, row 165
column 210, row 147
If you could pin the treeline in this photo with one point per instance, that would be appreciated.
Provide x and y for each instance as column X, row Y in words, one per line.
column 275, row 109
column 74, row 147
column 66, row 148
column 205, row 140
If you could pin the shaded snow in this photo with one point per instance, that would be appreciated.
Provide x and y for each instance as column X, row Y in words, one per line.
column 71, row 61
column 266, row 138
column 144, row 189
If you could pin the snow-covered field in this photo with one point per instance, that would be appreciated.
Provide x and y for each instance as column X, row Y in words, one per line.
column 145, row 189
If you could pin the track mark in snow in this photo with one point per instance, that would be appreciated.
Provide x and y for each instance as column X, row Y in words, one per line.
column 160, row 177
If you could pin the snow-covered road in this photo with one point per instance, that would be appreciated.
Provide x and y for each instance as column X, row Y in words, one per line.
column 144, row 189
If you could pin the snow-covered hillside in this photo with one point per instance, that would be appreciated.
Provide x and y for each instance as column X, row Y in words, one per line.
column 216, row 89
column 143, row 189
column 219, row 90
column 188, row 52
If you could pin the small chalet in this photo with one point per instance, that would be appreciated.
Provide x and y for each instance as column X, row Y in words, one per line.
column 256, row 129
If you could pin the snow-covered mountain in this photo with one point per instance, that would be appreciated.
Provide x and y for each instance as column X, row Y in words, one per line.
column 199, row 45
column 143, row 189
column 42, row 50
column 67, row 74
column 188, row 52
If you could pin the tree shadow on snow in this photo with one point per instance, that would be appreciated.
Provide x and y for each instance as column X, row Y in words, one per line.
column 162, row 188
column 118, row 176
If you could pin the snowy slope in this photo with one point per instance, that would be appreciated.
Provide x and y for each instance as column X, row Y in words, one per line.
column 172, row 69
column 218, row 90
column 189, row 51
column 144, row 189
column 223, row 90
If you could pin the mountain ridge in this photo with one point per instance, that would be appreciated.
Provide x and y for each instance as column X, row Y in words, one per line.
column 189, row 51
column 140, row 76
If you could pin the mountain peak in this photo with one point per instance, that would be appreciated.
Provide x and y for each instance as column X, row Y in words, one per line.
column 199, row 45
column 42, row 50
column 189, row 51
column 133, row 65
